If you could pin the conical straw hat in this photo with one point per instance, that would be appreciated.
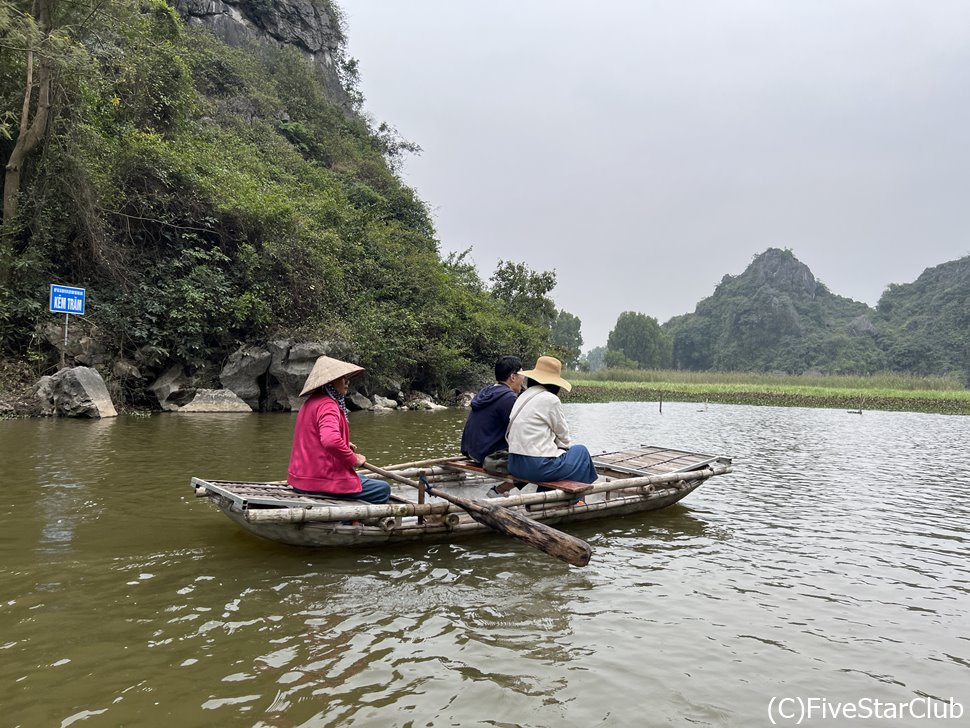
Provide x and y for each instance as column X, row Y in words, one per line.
column 325, row 370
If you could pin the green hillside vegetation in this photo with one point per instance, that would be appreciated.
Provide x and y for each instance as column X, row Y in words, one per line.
column 207, row 196
column 776, row 317
column 926, row 324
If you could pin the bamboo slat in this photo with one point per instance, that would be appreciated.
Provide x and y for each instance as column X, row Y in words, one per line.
column 619, row 484
column 651, row 459
column 322, row 514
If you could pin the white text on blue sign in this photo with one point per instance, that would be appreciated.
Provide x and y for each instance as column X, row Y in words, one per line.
column 67, row 299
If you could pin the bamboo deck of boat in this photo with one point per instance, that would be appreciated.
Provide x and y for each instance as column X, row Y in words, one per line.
column 631, row 481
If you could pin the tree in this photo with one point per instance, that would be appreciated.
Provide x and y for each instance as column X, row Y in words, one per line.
column 566, row 338
column 639, row 338
column 523, row 293
column 615, row 359
column 30, row 132
column 594, row 359
column 61, row 68
column 462, row 270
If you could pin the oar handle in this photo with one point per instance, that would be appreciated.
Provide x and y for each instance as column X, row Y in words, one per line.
column 393, row 476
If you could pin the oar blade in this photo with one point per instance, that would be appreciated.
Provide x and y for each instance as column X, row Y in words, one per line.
column 547, row 539
column 562, row 546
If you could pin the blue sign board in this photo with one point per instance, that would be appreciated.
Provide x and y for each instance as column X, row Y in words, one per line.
column 67, row 299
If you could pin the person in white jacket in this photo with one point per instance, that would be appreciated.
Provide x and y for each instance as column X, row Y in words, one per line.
column 540, row 449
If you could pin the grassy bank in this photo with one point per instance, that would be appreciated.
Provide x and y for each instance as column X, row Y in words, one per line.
column 881, row 392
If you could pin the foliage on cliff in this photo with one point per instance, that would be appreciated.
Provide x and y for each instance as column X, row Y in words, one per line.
column 207, row 196
column 926, row 324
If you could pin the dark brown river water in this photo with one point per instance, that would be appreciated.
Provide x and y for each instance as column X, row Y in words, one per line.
column 830, row 572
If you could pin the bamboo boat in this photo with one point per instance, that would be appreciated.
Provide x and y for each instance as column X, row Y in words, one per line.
column 630, row 481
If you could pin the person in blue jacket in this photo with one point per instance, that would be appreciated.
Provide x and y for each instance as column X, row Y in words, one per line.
column 485, row 428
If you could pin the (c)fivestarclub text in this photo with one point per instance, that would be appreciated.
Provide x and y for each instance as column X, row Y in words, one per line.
column 798, row 710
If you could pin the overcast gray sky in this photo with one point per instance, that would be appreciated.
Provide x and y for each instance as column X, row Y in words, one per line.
column 643, row 149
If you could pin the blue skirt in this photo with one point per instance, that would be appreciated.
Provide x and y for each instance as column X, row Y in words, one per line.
column 574, row 464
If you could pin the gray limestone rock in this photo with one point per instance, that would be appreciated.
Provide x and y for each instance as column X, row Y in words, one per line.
column 421, row 401
column 242, row 372
column 173, row 388
column 861, row 326
column 80, row 347
column 307, row 25
column 290, row 366
column 383, row 402
column 78, row 392
column 45, row 396
column 357, row 401
column 124, row 369
column 215, row 400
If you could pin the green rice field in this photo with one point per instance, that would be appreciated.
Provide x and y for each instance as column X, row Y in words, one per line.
column 895, row 392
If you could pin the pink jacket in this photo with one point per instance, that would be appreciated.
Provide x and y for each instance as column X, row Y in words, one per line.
column 322, row 459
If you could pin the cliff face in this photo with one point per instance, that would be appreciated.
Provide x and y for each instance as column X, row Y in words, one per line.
column 780, row 271
column 311, row 26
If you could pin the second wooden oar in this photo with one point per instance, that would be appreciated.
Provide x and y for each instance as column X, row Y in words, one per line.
column 564, row 547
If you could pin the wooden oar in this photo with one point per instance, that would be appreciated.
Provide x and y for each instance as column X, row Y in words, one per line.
column 564, row 547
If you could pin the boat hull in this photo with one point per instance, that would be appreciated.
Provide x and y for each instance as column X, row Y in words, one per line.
column 631, row 481
column 361, row 535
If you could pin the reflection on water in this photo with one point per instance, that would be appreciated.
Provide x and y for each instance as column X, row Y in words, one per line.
column 832, row 563
column 59, row 505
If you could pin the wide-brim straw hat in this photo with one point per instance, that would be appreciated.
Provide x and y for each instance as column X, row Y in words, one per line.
column 548, row 370
column 325, row 370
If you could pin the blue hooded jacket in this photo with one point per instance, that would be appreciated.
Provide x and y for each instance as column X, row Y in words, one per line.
column 484, row 431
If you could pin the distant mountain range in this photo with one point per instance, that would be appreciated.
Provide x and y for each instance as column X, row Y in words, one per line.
column 777, row 316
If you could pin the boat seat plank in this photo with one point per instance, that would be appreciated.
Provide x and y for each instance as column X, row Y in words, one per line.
column 569, row 486
column 472, row 467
